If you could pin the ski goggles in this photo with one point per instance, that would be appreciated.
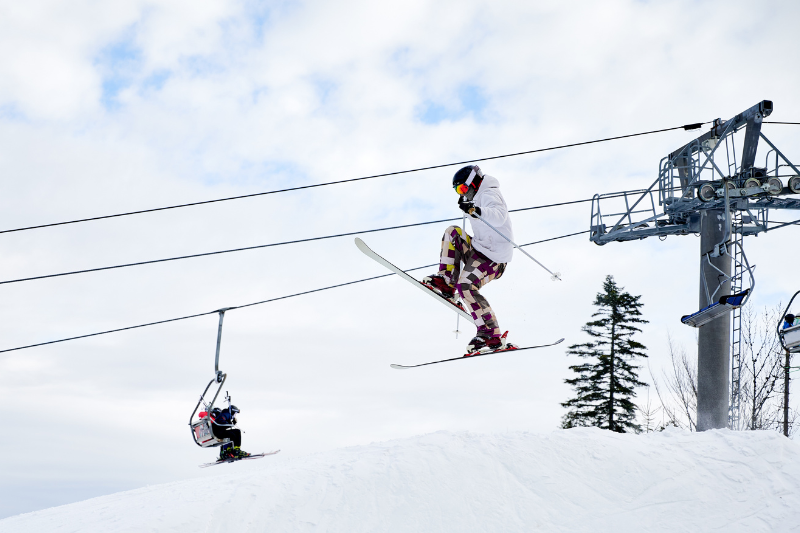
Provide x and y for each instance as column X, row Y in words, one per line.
column 461, row 188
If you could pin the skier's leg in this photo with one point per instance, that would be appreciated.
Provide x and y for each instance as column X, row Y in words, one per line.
column 456, row 244
column 478, row 271
column 233, row 434
column 236, row 436
column 232, row 449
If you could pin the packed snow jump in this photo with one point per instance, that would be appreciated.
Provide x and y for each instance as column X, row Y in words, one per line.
column 468, row 262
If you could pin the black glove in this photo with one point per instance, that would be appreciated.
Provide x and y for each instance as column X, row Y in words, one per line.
column 468, row 207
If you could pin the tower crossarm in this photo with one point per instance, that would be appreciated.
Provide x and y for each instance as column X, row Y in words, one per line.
column 685, row 162
column 704, row 174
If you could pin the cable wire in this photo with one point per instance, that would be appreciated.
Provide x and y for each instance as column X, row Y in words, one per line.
column 302, row 187
column 686, row 127
column 270, row 245
column 244, row 305
column 781, row 225
column 218, row 252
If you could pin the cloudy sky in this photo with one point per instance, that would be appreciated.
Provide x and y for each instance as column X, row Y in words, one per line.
column 108, row 107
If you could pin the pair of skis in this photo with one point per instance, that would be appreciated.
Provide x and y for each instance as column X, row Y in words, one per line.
column 233, row 460
column 477, row 354
column 430, row 292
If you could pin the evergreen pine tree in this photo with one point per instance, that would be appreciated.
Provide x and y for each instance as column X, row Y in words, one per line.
column 604, row 386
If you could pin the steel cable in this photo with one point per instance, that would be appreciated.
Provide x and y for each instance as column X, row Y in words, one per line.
column 246, row 305
column 302, row 187
column 270, row 245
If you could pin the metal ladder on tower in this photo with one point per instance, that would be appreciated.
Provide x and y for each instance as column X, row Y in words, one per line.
column 736, row 331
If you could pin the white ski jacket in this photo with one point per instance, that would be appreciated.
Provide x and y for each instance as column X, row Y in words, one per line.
column 495, row 211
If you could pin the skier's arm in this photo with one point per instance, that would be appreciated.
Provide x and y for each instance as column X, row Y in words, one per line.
column 493, row 209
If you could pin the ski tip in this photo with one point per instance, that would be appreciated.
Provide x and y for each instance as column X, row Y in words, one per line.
column 559, row 341
column 398, row 367
column 361, row 245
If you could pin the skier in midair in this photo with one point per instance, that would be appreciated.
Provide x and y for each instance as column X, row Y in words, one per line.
column 485, row 254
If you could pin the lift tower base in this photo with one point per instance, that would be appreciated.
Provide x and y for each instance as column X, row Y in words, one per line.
column 714, row 338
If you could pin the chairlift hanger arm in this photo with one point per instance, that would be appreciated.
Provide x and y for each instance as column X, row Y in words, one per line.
column 219, row 340
column 213, row 400
column 203, row 428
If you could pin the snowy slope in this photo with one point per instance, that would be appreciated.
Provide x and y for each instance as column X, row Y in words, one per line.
column 575, row 480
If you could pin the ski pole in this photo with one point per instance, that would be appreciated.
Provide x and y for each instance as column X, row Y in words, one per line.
column 556, row 276
column 464, row 230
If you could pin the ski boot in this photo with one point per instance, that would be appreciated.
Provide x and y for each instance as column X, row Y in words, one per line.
column 437, row 283
column 238, row 453
column 483, row 342
column 225, row 452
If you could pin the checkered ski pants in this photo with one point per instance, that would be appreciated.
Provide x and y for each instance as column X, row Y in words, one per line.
column 478, row 271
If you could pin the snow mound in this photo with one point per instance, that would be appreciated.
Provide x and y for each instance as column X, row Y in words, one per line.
column 574, row 480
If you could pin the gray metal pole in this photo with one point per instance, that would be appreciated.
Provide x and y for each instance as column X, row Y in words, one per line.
column 786, row 371
column 713, row 339
column 217, row 371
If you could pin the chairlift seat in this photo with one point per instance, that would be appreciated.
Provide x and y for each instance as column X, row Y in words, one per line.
column 791, row 338
column 715, row 310
column 204, row 436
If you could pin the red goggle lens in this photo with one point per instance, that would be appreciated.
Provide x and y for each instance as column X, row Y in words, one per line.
column 461, row 188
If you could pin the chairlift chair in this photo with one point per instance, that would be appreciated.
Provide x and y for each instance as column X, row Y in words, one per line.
column 202, row 432
column 789, row 337
column 722, row 305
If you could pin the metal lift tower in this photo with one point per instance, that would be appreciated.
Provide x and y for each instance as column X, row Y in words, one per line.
column 705, row 189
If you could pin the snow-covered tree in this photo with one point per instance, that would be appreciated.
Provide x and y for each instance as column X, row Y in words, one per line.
column 604, row 385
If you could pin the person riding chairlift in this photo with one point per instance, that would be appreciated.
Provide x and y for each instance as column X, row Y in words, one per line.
column 222, row 422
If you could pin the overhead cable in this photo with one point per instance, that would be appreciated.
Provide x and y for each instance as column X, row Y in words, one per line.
column 218, row 252
column 270, row 245
column 781, row 224
column 246, row 305
column 302, row 187
column 191, row 316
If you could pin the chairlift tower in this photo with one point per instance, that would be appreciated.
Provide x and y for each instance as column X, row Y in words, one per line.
column 705, row 188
